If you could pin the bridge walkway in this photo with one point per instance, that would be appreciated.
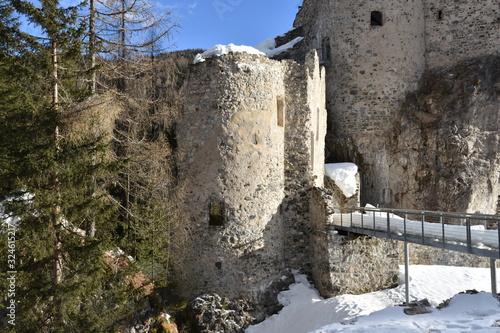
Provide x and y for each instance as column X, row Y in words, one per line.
column 467, row 233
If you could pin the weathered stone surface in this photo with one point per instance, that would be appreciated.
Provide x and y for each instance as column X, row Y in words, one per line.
column 418, row 307
column 343, row 264
column 425, row 255
column 444, row 150
column 211, row 313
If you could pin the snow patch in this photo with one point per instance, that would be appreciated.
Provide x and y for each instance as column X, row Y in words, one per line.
column 269, row 46
column 219, row 50
column 344, row 176
column 305, row 311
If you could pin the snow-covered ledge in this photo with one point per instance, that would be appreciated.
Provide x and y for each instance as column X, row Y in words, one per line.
column 344, row 176
column 343, row 180
column 267, row 48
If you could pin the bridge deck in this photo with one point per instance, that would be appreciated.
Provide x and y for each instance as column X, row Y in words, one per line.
column 475, row 234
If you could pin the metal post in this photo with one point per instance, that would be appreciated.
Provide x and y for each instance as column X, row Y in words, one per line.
column 493, row 269
column 469, row 235
column 423, row 231
column 407, row 273
column 388, row 226
column 441, row 219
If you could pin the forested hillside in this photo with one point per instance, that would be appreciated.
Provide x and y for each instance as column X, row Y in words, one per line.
column 87, row 174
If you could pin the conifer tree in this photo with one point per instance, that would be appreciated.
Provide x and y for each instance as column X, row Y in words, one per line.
column 55, row 183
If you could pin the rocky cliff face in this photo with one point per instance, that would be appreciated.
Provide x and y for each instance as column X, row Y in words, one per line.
column 444, row 150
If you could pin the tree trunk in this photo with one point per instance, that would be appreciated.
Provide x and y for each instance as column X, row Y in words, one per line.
column 92, row 45
column 57, row 265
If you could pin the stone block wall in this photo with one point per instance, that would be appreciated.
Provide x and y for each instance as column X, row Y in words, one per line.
column 459, row 30
column 348, row 264
column 362, row 264
column 369, row 67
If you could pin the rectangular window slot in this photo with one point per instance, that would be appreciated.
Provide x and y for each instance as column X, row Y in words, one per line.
column 216, row 214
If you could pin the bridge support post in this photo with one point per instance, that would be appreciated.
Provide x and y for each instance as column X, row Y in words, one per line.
column 407, row 272
column 493, row 269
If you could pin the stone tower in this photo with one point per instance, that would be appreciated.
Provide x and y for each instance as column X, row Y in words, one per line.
column 251, row 141
column 374, row 54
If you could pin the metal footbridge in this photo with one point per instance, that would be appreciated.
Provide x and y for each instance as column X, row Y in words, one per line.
column 467, row 233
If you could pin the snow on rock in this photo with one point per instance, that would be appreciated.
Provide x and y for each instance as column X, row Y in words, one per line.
column 344, row 176
column 305, row 311
column 269, row 46
column 219, row 50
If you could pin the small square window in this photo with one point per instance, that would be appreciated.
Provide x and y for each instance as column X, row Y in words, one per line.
column 376, row 19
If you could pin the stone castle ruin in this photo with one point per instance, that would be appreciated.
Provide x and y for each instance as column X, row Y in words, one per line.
column 252, row 137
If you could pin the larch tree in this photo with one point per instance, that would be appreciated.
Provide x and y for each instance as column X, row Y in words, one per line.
column 122, row 32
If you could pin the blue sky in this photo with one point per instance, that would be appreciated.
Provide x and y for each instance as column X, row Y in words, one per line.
column 205, row 23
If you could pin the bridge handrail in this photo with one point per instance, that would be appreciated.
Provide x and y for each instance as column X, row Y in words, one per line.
column 379, row 222
column 422, row 212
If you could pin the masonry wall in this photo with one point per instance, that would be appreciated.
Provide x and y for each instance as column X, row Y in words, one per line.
column 458, row 30
column 305, row 131
column 369, row 67
column 231, row 161
column 343, row 264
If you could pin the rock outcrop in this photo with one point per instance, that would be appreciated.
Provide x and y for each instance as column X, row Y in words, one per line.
column 444, row 149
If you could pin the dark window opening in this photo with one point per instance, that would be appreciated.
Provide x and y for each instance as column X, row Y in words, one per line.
column 376, row 19
column 218, row 265
column 326, row 52
column 216, row 215
column 440, row 15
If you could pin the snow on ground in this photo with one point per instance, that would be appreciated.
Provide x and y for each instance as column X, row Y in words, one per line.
column 344, row 176
column 305, row 311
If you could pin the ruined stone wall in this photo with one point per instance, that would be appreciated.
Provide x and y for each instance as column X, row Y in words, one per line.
column 305, row 131
column 459, row 30
column 231, row 160
column 251, row 142
column 343, row 264
column 445, row 142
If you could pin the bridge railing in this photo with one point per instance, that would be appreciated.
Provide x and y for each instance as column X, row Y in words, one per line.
column 477, row 234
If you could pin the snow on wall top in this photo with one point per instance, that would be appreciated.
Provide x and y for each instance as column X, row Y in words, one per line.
column 344, row 176
column 219, row 50
column 267, row 48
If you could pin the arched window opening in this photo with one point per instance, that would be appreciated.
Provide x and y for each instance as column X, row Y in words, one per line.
column 326, row 52
column 440, row 15
column 376, row 19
